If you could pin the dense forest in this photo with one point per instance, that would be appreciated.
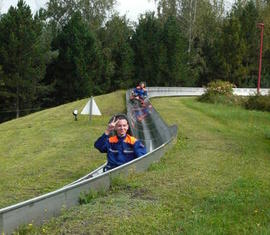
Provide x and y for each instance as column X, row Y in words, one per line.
column 73, row 49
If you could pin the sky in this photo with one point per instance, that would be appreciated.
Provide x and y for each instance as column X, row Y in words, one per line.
column 132, row 8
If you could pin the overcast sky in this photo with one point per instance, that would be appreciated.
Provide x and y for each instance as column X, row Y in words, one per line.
column 132, row 8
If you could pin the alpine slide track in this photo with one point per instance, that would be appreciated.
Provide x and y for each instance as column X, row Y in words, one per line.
column 150, row 129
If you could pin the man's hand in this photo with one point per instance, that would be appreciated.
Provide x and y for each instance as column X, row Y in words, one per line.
column 111, row 126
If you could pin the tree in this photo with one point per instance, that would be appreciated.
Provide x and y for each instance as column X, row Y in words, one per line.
column 232, row 51
column 147, row 49
column 200, row 23
column 75, row 69
column 237, row 50
column 94, row 12
column 116, row 42
column 249, row 18
column 173, row 65
column 23, row 56
column 265, row 18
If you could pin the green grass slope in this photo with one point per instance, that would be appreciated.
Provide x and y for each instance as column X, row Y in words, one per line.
column 48, row 149
column 215, row 180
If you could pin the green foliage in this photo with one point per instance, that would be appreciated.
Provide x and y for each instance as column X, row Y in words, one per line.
column 229, row 49
column 219, row 91
column 50, row 148
column 203, row 33
column 237, row 46
column 74, row 71
column 86, row 198
column 232, row 51
column 173, row 57
column 159, row 47
column 187, row 43
column 122, row 182
column 94, row 12
column 147, row 49
column 28, row 229
column 215, row 180
column 219, row 87
column 117, row 55
column 258, row 102
column 267, row 133
column 24, row 53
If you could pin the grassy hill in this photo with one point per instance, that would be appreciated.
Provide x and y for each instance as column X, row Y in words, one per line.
column 46, row 150
column 214, row 180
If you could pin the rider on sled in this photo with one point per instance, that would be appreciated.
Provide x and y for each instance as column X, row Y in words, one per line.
column 139, row 93
column 118, row 144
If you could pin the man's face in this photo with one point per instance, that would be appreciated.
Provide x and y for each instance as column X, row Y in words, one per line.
column 121, row 127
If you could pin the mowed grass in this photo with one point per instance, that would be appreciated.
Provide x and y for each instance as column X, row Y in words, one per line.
column 214, row 180
column 46, row 150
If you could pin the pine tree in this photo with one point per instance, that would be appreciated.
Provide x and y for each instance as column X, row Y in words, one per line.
column 75, row 69
column 93, row 12
column 176, row 59
column 116, row 42
column 147, row 48
column 23, row 56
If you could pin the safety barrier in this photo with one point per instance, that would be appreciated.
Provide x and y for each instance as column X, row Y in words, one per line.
column 197, row 91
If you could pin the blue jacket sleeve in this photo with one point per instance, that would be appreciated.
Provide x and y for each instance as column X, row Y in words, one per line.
column 135, row 92
column 139, row 149
column 102, row 143
column 145, row 93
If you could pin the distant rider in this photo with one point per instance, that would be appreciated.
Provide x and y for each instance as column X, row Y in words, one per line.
column 140, row 91
column 121, row 147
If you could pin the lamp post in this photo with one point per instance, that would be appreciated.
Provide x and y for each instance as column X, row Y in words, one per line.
column 261, row 25
column 75, row 114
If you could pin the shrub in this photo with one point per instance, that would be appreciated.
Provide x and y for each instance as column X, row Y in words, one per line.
column 219, row 91
column 258, row 102
column 219, row 87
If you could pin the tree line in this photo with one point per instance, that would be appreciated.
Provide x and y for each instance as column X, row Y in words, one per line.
column 78, row 48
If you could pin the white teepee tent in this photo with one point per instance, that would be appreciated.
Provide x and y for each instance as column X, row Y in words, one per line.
column 91, row 108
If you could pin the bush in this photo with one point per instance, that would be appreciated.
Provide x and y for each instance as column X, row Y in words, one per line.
column 258, row 102
column 219, row 92
column 219, row 87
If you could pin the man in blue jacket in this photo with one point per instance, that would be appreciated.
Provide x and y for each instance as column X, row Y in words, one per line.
column 140, row 91
column 120, row 148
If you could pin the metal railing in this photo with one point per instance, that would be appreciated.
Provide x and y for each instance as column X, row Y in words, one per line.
column 152, row 130
column 197, row 91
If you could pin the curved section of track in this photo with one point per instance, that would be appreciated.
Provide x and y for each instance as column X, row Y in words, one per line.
column 146, row 124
